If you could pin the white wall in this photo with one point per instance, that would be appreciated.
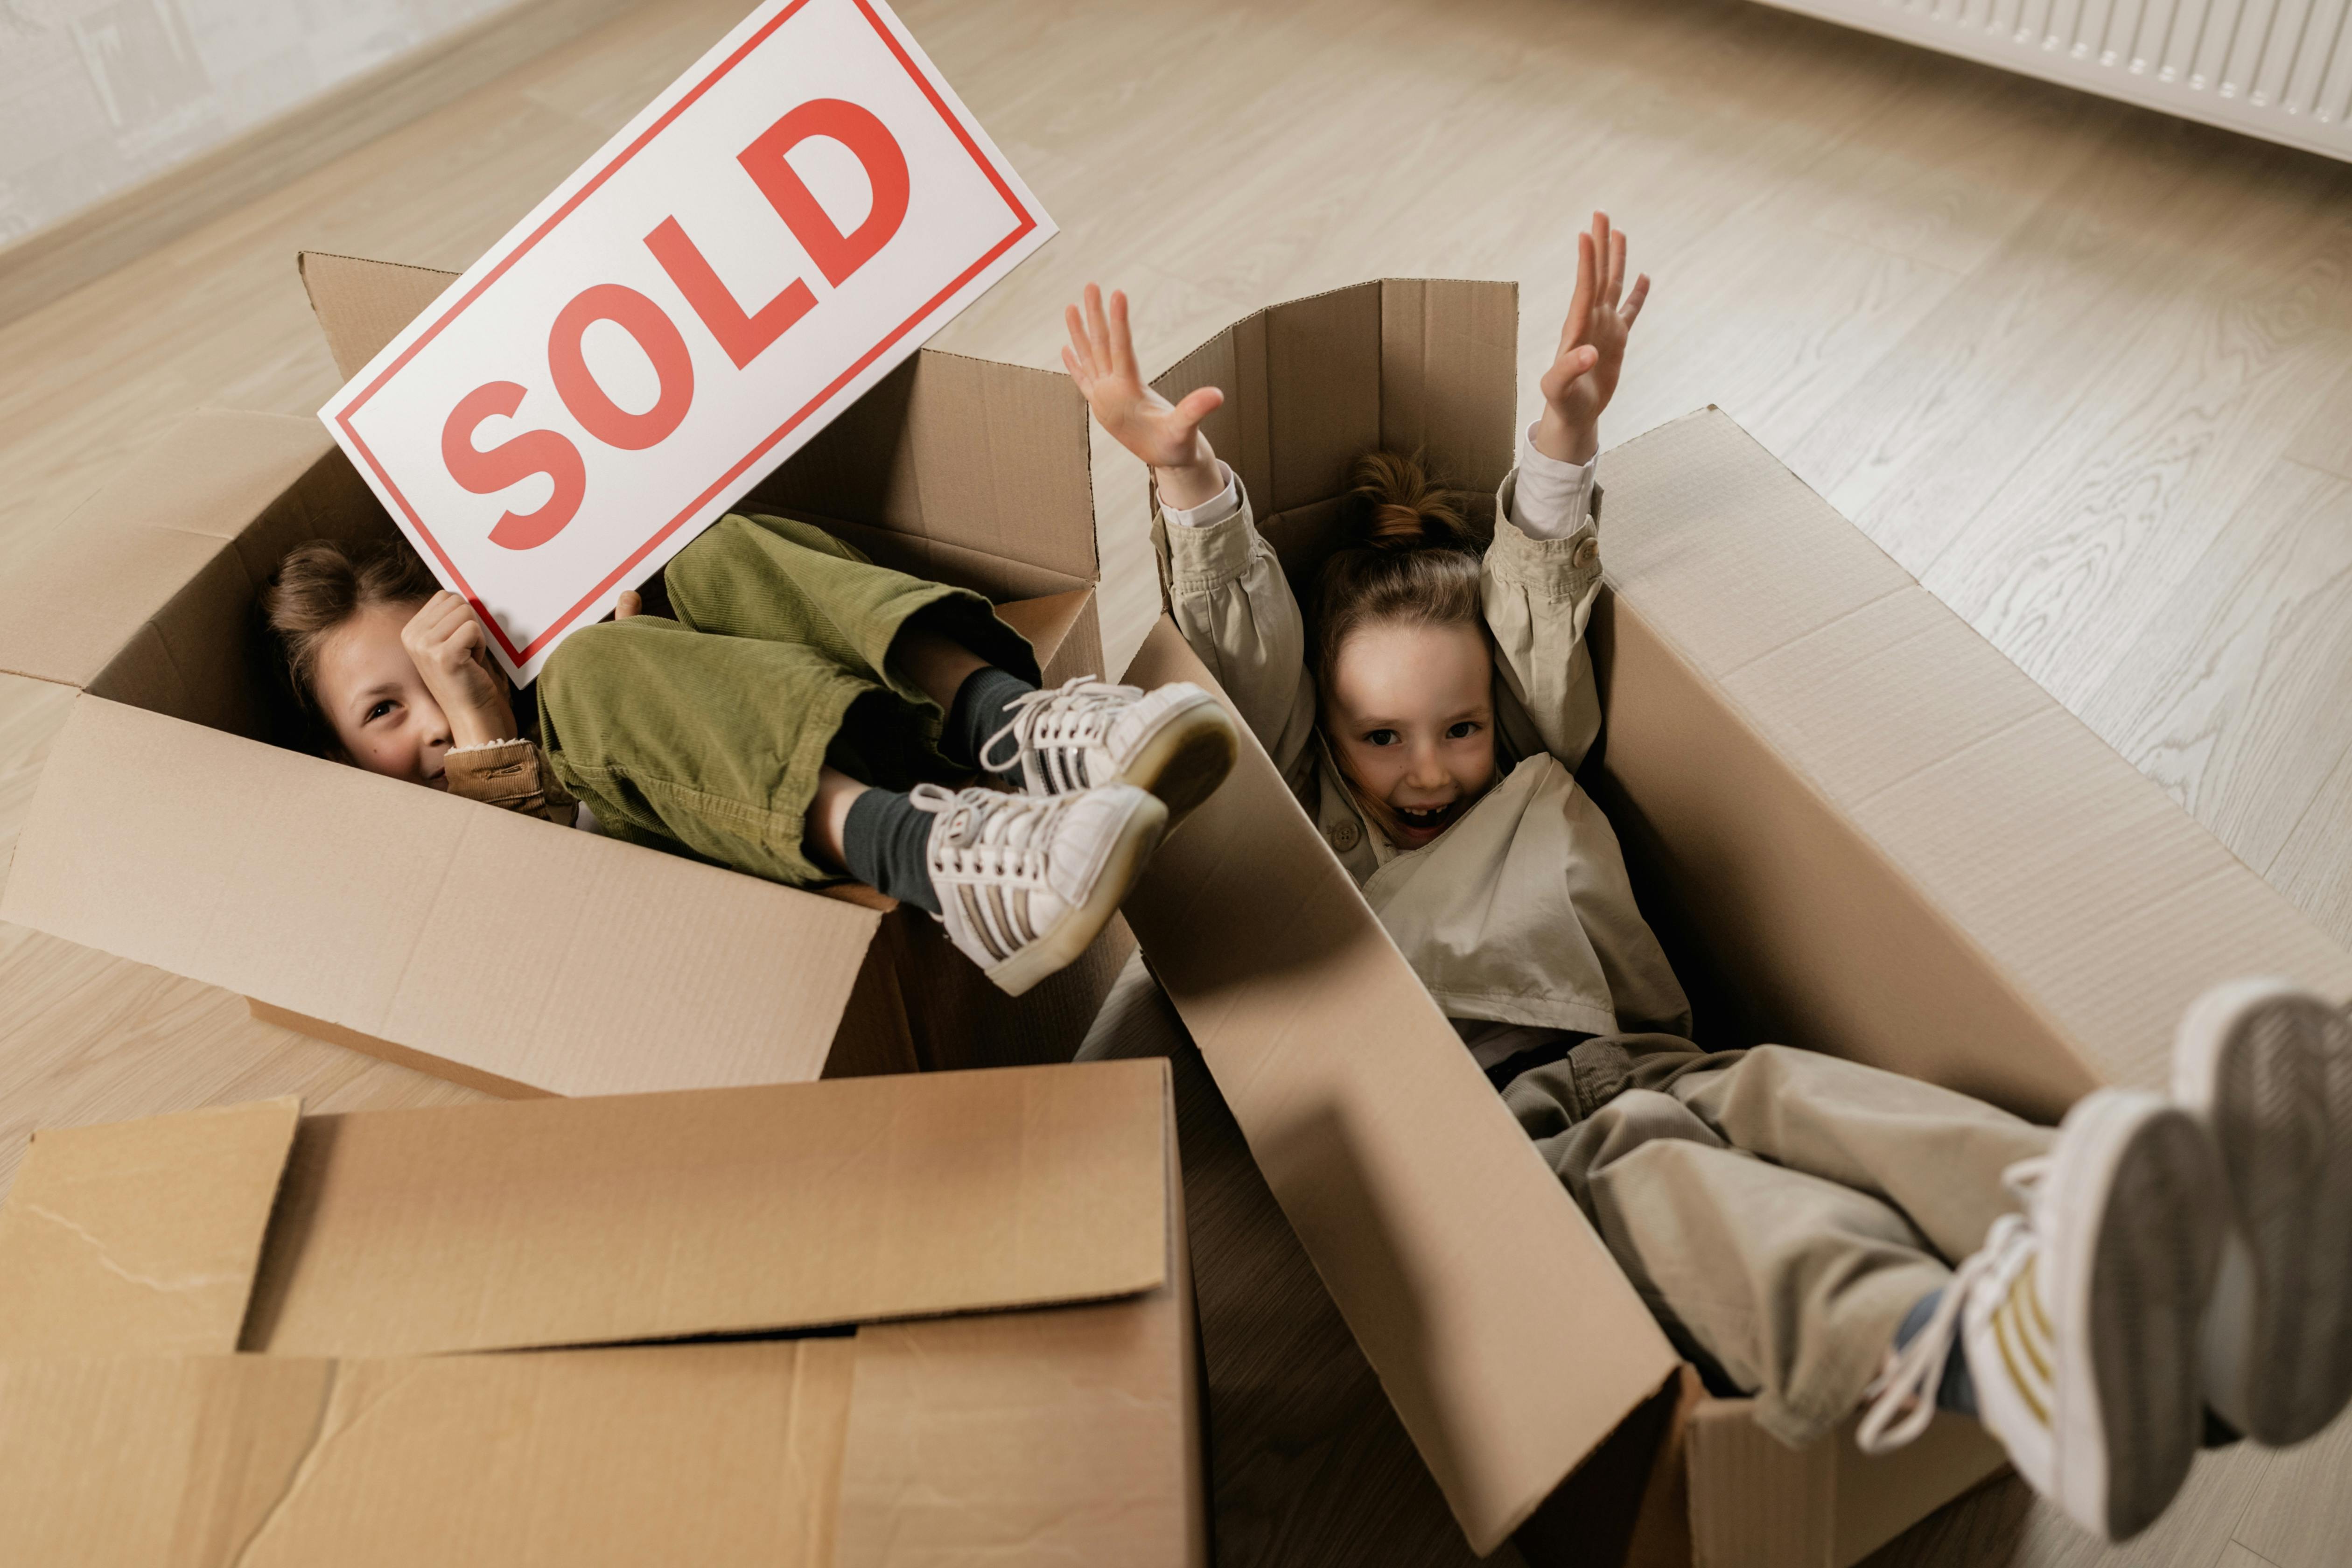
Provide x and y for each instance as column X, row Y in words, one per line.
column 96, row 95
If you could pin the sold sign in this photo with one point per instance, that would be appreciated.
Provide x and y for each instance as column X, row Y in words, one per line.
column 770, row 237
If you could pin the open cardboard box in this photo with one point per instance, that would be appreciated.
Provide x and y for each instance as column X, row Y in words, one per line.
column 1857, row 827
column 241, row 1335
column 470, row 942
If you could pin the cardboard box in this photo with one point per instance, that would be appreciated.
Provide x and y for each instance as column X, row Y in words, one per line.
column 234, row 1335
column 170, row 828
column 1856, row 827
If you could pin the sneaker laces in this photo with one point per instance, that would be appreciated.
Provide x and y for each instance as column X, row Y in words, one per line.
column 1902, row 1398
column 1075, row 713
column 988, row 833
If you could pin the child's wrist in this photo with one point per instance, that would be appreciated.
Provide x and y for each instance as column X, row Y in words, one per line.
column 1567, row 440
column 1190, row 485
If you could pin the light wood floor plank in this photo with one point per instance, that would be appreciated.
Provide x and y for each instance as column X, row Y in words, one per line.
column 2071, row 556
column 2087, row 369
column 2213, row 700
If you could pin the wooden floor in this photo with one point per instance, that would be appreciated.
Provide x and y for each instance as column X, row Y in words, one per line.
column 2087, row 372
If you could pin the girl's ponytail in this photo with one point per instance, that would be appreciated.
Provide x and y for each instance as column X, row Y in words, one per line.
column 1415, row 559
column 1404, row 508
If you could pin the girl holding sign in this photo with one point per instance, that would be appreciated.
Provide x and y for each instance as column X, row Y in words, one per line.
column 802, row 715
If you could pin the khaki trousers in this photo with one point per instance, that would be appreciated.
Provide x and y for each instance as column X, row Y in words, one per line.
column 704, row 733
column 1780, row 1210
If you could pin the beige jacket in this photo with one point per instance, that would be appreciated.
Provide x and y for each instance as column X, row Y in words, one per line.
column 1520, row 912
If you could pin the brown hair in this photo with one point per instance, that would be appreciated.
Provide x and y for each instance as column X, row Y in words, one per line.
column 1415, row 559
column 317, row 588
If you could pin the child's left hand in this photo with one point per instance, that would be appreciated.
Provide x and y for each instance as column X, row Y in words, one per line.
column 1583, row 373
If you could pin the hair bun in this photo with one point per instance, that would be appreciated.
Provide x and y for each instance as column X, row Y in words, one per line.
column 1403, row 508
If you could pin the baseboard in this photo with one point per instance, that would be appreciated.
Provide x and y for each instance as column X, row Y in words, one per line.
column 54, row 261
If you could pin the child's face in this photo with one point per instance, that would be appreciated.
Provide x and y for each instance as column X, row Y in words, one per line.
column 1410, row 713
column 369, row 689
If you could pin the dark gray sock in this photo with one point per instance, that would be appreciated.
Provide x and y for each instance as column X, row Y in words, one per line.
column 1958, row 1391
column 883, row 842
column 978, row 712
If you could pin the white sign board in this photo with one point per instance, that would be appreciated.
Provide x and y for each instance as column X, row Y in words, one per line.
column 770, row 237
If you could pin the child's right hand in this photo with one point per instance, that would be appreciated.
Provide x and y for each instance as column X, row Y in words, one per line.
column 445, row 640
column 1101, row 359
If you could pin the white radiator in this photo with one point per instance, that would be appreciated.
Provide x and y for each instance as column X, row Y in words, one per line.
column 2276, row 68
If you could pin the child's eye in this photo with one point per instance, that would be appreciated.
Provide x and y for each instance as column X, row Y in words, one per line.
column 1464, row 730
column 1381, row 738
column 378, row 711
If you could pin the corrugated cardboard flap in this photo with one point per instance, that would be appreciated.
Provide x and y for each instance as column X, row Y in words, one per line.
column 1913, row 854
column 1505, row 1336
column 392, row 912
column 557, row 1222
column 703, row 1454
column 581, row 1222
column 140, row 1237
column 145, row 597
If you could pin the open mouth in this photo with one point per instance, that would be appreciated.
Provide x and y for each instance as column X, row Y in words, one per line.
column 1428, row 821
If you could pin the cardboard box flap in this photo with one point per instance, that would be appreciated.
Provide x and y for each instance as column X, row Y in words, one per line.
column 704, row 1454
column 142, row 1237
column 391, row 911
column 1473, row 1283
column 2040, row 912
column 361, row 305
column 1425, row 365
column 1069, row 1435
column 155, row 551
column 964, row 452
column 552, row 1222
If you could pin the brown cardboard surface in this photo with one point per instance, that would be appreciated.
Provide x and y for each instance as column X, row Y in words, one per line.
column 1766, row 1505
column 793, row 1206
column 1465, row 1272
column 142, row 1234
column 362, row 304
column 562, row 961
column 1064, row 1436
column 171, row 1460
column 1960, row 880
column 714, row 1455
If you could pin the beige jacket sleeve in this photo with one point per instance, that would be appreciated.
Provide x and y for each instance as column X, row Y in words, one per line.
column 1539, row 595
column 511, row 775
column 1230, row 599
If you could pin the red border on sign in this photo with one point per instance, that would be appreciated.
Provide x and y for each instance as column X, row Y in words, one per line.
column 1028, row 222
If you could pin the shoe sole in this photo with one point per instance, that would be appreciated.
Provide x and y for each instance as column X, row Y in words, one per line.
column 1056, row 948
column 2128, row 1379
column 1187, row 758
column 2268, row 1067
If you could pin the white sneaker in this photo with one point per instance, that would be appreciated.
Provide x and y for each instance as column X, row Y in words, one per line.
column 1174, row 741
column 2266, row 1067
column 2079, row 1316
column 1026, row 882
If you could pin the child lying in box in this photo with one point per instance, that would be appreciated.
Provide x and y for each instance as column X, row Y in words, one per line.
column 1814, row 1232
column 797, row 720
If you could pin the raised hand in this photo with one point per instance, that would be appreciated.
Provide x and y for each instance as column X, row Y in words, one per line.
column 444, row 638
column 1583, row 373
column 1101, row 359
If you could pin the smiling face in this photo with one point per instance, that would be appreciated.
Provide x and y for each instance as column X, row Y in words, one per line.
column 1409, row 709
column 371, row 694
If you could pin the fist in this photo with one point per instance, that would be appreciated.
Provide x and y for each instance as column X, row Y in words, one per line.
column 452, row 657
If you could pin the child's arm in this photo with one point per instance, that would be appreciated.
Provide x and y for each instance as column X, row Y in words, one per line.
column 489, row 759
column 1543, row 571
column 1226, row 586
